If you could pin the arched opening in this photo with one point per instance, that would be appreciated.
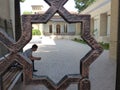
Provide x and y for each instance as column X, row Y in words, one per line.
column 58, row 28
column 50, row 28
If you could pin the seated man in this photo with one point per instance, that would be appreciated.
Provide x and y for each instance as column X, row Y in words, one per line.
column 28, row 53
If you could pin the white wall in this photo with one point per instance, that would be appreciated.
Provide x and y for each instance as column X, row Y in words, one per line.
column 4, row 9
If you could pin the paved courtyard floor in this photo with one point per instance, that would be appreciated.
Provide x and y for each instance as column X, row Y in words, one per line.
column 61, row 57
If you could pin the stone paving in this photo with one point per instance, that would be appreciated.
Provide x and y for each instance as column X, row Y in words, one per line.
column 61, row 57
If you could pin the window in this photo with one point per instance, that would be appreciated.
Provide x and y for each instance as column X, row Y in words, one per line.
column 50, row 28
column 58, row 29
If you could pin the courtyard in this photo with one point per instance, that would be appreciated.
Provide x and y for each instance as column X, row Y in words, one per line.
column 61, row 57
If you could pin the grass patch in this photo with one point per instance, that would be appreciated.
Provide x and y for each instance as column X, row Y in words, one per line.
column 104, row 45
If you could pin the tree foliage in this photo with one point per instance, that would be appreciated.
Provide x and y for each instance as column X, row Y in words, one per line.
column 82, row 4
column 22, row 0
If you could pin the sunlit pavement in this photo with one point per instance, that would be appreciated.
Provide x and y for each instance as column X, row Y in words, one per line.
column 62, row 57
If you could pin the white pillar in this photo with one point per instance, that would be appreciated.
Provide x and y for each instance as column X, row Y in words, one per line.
column 114, row 29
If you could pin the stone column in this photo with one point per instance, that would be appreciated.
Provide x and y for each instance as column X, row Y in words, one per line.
column 41, row 29
column 114, row 29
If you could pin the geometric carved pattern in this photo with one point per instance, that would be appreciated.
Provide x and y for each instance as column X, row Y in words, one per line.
column 56, row 6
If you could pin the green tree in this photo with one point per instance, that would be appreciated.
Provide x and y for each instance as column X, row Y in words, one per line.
column 83, row 4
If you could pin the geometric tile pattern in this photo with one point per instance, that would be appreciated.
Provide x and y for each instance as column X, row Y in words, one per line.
column 56, row 6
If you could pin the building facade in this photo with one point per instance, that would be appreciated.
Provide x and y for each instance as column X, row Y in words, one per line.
column 56, row 26
column 104, row 23
column 100, row 12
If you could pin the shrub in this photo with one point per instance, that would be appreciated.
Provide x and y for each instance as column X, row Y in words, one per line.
column 79, row 40
column 36, row 32
column 104, row 45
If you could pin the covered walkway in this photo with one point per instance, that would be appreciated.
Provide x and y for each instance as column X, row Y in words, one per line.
column 61, row 57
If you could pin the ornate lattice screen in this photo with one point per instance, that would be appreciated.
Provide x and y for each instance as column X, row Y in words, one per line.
column 56, row 6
